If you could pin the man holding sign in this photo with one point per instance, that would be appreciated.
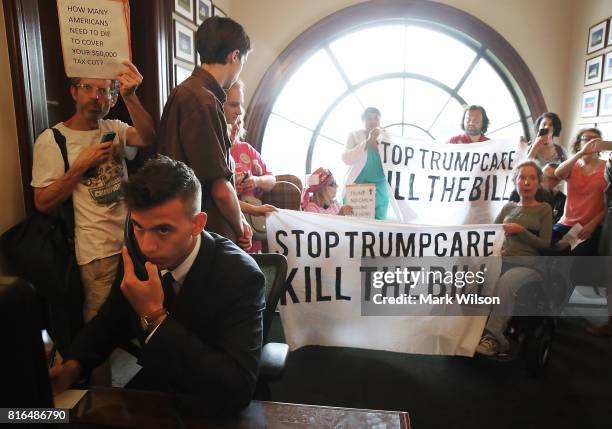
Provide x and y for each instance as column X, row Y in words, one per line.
column 97, row 149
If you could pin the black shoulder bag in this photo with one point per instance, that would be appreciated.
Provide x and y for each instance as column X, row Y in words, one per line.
column 41, row 250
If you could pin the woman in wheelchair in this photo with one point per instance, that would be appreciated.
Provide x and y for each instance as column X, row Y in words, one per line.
column 528, row 228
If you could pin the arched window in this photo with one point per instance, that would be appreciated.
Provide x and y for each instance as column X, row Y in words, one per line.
column 418, row 62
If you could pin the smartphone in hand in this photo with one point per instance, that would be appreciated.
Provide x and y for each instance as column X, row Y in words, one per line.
column 108, row 137
column 542, row 132
column 138, row 258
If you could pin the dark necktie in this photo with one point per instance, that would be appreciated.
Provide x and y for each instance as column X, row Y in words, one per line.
column 168, row 286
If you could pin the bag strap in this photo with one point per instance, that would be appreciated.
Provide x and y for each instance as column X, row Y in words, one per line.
column 67, row 208
column 61, row 142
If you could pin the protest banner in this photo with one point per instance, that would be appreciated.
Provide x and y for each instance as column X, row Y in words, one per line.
column 330, row 256
column 95, row 37
column 443, row 184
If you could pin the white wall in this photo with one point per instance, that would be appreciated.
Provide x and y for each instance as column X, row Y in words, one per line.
column 589, row 13
column 539, row 30
column 11, row 193
column 224, row 5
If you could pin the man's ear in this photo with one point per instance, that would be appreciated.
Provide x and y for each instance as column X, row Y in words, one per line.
column 73, row 92
column 233, row 56
column 199, row 222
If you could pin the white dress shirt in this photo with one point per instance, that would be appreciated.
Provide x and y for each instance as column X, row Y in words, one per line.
column 179, row 274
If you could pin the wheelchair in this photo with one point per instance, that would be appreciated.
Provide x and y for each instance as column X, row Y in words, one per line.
column 531, row 331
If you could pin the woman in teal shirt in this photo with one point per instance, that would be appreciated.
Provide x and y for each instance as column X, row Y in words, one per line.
column 361, row 154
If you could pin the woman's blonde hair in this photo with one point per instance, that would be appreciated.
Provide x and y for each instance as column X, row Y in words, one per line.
column 527, row 163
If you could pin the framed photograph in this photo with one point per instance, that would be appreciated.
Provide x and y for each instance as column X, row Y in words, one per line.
column 610, row 31
column 605, row 102
column 587, row 125
column 218, row 12
column 203, row 11
column 597, row 37
column 181, row 73
column 184, row 8
column 593, row 70
column 183, row 42
column 607, row 67
column 606, row 130
column 606, row 134
column 590, row 102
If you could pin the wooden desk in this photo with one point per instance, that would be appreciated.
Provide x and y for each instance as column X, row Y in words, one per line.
column 124, row 408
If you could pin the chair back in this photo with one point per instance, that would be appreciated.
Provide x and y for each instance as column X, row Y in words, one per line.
column 274, row 268
column 286, row 194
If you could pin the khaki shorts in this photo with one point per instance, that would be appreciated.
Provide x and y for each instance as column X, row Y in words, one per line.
column 97, row 277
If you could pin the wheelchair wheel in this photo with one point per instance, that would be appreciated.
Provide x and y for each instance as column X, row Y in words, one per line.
column 538, row 347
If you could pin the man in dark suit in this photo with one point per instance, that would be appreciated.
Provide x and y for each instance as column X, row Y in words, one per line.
column 199, row 314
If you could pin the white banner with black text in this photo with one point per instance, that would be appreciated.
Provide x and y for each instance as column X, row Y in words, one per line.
column 450, row 184
column 351, row 281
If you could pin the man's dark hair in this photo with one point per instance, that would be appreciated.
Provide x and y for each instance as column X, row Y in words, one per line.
column 485, row 118
column 554, row 165
column 217, row 37
column 369, row 111
column 555, row 120
column 159, row 180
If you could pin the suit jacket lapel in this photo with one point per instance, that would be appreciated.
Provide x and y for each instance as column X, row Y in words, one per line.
column 197, row 277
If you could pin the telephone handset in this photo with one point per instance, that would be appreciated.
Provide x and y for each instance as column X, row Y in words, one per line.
column 138, row 259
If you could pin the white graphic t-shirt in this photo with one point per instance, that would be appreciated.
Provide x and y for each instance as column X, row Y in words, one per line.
column 99, row 210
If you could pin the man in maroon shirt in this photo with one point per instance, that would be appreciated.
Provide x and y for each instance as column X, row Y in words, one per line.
column 193, row 127
column 475, row 123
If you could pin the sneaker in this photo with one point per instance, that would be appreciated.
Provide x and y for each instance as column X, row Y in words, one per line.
column 488, row 346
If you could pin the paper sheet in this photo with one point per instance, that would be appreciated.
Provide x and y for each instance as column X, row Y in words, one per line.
column 69, row 398
column 571, row 237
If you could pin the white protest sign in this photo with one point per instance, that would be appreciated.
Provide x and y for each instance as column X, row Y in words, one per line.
column 325, row 295
column 95, row 37
column 450, row 184
column 362, row 199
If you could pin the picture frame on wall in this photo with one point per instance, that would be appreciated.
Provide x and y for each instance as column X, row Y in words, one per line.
column 184, row 8
column 605, row 102
column 204, row 10
column 606, row 130
column 607, row 67
column 183, row 42
column 587, row 125
column 606, row 134
column 181, row 73
column 610, row 31
column 590, row 103
column 597, row 37
column 593, row 70
column 218, row 12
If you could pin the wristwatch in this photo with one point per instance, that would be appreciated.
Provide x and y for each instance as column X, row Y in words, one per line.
column 149, row 321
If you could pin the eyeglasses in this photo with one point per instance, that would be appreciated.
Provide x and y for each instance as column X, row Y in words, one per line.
column 586, row 138
column 89, row 89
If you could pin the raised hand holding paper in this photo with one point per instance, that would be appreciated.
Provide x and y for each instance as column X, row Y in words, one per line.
column 95, row 37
